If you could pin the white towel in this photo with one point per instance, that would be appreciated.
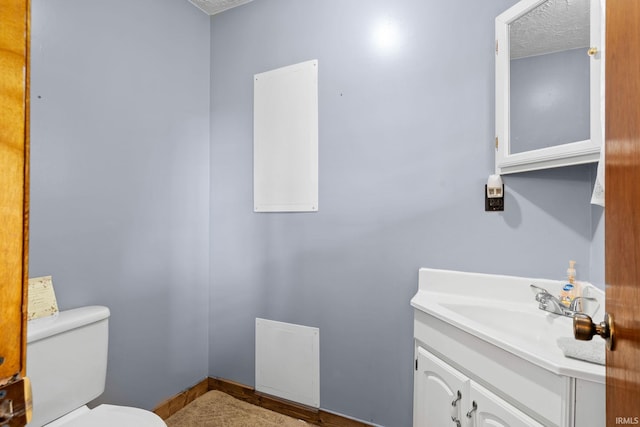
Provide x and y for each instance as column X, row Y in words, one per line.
column 590, row 351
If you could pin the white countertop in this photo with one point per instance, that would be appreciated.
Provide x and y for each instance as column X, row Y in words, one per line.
column 502, row 310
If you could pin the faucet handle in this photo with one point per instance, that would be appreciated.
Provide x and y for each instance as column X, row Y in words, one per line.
column 541, row 293
column 574, row 302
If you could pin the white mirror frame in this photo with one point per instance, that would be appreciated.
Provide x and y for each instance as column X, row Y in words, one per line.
column 572, row 153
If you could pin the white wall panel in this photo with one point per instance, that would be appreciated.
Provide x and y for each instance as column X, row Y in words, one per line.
column 285, row 139
column 288, row 361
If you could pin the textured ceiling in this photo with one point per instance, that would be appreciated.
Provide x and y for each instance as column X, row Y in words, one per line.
column 212, row 7
column 553, row 26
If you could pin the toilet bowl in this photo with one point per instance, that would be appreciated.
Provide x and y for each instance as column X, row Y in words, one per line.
column 67, row 365
column 108, row 416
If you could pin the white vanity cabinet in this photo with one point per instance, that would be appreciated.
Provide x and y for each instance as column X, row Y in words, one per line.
column 483, row 336
column 492, row 411
column 445, row 397
column 438, row 391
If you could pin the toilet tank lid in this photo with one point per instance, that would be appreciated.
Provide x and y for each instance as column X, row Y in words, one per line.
column 65, row 321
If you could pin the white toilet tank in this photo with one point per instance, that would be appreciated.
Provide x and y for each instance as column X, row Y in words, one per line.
column 67, row 361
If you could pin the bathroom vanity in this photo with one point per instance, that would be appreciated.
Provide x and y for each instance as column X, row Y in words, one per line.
column 487, row 355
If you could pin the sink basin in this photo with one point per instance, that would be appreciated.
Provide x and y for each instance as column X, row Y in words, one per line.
column 519, row 322
column 503, row 311
column 475, row 330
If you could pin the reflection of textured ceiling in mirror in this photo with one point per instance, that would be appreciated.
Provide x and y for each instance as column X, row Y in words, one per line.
column 212, row 7
column 553, row 26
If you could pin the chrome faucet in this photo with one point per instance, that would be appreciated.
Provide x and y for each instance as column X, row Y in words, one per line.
column 552, row 304
column 575, row 303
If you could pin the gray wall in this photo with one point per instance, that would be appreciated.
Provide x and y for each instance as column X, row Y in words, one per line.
column 119, row 180
column 406, row 145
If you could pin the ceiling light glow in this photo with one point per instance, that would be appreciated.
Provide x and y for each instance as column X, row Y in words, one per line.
column 386, row 36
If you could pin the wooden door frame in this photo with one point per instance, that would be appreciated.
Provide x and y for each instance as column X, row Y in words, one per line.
column 622, row 217
column 14, row 182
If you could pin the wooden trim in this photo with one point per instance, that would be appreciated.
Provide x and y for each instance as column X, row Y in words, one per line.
column 248, row 394
column 27, row 193
column 172, row 405
column 14, row 185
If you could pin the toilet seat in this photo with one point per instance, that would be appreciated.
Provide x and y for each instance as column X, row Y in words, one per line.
column 109, row 416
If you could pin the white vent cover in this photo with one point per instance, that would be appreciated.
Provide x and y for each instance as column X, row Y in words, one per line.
column 288, row 361
column 212, row 7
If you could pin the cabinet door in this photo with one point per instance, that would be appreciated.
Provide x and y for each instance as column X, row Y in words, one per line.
column 488, row 410
column 438, row 392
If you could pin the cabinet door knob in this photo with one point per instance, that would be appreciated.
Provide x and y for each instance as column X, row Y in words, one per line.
column 592, row 51
column 584, row 329
column 473, row 409
column 454, row 409
column 454, row 403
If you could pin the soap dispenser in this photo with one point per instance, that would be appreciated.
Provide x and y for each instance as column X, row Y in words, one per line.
column 568, row 290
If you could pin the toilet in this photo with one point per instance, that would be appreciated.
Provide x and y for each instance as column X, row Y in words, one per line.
column 67, row 365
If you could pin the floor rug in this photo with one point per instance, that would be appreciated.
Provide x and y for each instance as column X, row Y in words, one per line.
column 218, row 409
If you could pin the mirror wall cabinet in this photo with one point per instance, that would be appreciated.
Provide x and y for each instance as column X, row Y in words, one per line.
column 549, row 69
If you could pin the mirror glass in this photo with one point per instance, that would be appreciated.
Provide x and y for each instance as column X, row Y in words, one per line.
column 549, row 75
